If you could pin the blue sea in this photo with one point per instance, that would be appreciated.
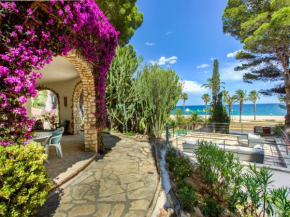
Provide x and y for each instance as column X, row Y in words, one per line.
column 248, row 109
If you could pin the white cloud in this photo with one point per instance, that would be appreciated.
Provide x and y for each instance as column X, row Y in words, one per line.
column 192, row 87
column 205, row 72
column 203, row 66
column 163, row 60
column 150, row 43
column 168, row 33
column 212, row 59
column 233, row 54
column 228, row 72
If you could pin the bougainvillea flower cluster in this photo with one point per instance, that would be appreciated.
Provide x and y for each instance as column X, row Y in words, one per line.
column 31, row 34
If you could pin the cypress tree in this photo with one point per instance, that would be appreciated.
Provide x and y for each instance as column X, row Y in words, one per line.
column 216, row 83
column 219, row 113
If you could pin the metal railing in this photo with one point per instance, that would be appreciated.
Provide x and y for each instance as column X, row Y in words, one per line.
column 269, row 155
column 229, row 141
column 284, row 142
column 226, row 128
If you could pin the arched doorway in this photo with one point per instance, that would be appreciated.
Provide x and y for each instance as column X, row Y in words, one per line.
column 44, row 109
column 70, row 76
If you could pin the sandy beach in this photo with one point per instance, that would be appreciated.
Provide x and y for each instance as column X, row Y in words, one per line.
column 250, row 118
column 259, row 118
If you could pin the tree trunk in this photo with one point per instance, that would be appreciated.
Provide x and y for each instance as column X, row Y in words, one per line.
column 254, row 110
column 214, row 97
column 230, row 112
column 285, row 64
column 287, row 116
column 100, row 142
column 241, row 108
column 205, row 110
column 183, row 106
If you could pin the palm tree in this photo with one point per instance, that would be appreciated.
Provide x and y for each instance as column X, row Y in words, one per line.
column 230, row 100
column 208, row 84
column 241, row 96
column 254, row 96
column 184, row 96
column 225, row 94
column 206, row 99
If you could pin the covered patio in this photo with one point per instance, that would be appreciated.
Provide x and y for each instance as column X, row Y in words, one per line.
column 74, row 159
column 71, row 79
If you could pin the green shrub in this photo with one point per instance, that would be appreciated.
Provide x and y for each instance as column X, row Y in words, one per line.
column 211, row 208
column 106, row 129
column 180, row 166
column 172, row 123
column 116, row 131
column 182, row 171
column 281, row 200
column 24, row 183
column 173, row 163
column 220, row 170
column 172, row 159
column 131, row 134
column 188, row 199
column 183, row 184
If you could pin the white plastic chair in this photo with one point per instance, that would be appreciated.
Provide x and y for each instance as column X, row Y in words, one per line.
column 61, row 129
column 56, row 144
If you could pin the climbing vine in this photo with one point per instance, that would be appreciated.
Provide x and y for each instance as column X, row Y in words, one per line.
column 32, row 33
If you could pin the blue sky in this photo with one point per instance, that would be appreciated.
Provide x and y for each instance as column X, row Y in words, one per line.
column 187, row 35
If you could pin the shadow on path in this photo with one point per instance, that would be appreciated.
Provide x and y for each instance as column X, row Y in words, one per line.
column 121, row 183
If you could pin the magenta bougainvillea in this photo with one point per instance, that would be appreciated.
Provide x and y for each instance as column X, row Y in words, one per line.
column 31, row 34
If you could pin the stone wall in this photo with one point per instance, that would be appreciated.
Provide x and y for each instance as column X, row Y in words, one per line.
column 88, row 87
column 76, row 119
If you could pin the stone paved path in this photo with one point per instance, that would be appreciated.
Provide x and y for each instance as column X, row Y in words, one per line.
column 122, row 184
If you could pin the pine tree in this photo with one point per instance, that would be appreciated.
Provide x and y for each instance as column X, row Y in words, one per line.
column 263, row 26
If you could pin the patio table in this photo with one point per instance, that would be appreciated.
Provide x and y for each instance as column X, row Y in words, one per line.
column 42, row 136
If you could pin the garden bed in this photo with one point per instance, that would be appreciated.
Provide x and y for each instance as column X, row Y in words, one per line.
column 218, row 186
column 190, row 188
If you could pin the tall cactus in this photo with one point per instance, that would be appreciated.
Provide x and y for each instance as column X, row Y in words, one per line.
column 120, row 88
column 142, row 99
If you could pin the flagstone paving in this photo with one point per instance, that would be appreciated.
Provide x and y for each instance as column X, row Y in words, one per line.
column 122, row 184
